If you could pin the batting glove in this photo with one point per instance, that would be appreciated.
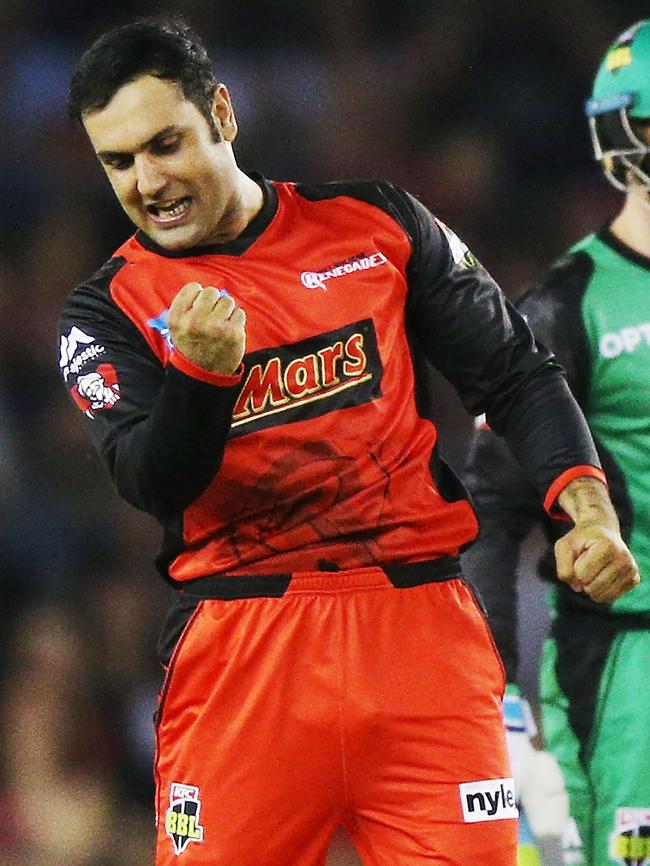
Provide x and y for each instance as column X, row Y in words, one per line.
column 539, row 783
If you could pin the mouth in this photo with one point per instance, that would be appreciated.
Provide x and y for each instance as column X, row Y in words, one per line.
column 170, row 213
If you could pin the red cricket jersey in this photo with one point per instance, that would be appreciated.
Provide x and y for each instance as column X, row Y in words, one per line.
column 322, row 453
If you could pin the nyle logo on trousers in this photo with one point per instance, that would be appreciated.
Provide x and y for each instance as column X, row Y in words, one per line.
column 489, row 800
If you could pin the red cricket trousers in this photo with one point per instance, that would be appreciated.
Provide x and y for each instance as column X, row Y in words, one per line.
column 345, row 701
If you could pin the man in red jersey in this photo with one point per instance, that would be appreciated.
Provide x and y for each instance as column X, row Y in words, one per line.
column 260, row 354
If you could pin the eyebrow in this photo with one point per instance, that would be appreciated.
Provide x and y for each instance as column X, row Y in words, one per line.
column 109, row 155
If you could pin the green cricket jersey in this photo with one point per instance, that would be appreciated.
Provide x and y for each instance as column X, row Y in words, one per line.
column 615, row 317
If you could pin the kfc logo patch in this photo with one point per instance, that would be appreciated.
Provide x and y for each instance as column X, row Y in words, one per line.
column 97, row 391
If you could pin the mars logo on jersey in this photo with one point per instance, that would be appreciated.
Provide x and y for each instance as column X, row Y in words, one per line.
column 629, row 844
column 97, row 390
column 182, row 819
column 307, row 379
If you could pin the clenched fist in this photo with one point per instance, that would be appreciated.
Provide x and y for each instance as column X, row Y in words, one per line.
column 592, row 557
column 208, row 327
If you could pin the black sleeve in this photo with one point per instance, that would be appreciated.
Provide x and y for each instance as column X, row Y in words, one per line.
column 505, row 502
column 160, row 432
column 507, row 507
column 467, row 328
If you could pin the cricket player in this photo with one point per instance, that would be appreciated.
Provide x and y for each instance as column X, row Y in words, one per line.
column 263, row 349
column 592, row 308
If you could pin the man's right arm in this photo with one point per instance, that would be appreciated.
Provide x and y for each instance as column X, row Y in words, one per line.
column 160, row 430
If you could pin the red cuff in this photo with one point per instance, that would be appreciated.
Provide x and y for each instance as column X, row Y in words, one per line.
column 550, row 500
column 177, row 359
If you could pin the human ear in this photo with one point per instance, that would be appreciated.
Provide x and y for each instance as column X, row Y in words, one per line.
column 223, row 113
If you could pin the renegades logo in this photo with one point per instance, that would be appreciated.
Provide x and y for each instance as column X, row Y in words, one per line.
column 335, row 370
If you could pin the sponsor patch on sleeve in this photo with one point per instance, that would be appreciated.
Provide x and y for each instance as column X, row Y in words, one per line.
column 460, row 252
column 76, row 349
column 96, row 391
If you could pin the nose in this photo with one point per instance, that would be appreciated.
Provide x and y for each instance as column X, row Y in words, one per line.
column 149, row 178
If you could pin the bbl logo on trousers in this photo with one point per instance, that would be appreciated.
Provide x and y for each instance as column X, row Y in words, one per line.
column 629, row 844
column 182, row 819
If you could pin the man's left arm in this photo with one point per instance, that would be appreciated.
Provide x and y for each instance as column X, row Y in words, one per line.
column 462, row 321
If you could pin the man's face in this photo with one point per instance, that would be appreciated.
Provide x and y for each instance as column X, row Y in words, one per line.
column 172, row 178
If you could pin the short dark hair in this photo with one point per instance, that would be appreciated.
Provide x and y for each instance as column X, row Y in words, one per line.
column 165, row 47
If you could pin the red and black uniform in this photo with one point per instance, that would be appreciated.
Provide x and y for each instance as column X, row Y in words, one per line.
column 310, row 482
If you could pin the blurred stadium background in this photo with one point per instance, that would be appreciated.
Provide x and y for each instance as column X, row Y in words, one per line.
column 476, row 107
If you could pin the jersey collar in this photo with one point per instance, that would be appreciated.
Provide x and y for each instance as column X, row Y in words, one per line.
column 607, row 237
column 235, row 247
